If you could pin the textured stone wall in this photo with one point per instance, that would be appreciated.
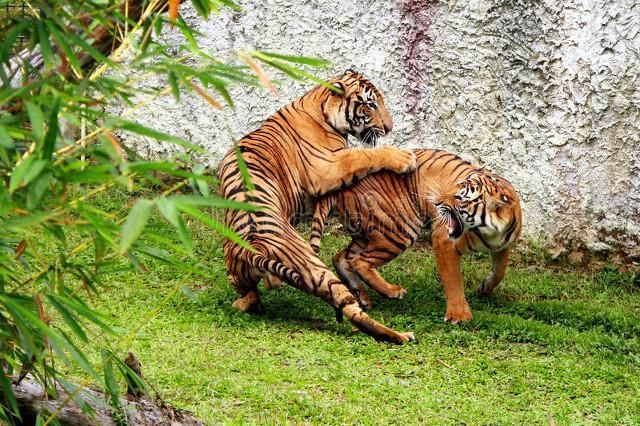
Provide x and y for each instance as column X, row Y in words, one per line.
column 543, row 92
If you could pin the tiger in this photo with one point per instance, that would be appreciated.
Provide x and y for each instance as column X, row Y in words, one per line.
column 469, row 209
column 298, row 154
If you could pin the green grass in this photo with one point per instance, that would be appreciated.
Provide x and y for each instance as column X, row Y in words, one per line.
column 551, row 347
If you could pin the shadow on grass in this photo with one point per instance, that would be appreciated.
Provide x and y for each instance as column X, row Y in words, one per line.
column 549, row 324
column 564, row 311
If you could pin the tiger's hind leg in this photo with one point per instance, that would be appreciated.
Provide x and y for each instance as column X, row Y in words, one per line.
column 351, row 279
column 292, row 251
column 244, row 279
column 364, row 258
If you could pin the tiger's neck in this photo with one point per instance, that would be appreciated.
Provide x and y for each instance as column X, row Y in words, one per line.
column 306, row 116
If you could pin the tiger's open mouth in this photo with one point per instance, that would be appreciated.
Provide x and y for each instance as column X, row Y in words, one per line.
column 454, row 227
column 450, row 218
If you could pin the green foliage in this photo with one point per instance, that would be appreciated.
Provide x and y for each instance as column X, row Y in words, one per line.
column 59, row 150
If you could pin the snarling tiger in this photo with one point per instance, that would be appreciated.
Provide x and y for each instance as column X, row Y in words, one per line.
column 470, row 209
column 298, row 153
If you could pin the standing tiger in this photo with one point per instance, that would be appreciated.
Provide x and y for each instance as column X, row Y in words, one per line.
column 298, row 153
column 471, row 210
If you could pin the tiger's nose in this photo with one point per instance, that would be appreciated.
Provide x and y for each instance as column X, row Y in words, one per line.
column 388, row 127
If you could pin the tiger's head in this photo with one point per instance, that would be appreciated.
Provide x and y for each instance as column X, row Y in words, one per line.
column 485, row 204
column 357, row 108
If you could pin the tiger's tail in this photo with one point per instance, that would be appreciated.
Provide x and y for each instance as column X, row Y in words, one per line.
column 275, row 267
column 323, row 208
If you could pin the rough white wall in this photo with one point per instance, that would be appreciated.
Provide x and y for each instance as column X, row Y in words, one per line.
column 543, row 92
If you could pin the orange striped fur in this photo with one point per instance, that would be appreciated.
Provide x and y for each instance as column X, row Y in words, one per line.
column 470, row 209
column 298, row 153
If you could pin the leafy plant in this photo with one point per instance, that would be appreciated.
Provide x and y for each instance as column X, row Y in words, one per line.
column 58, row 150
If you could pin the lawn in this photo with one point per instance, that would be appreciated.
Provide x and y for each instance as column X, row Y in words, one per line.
column 552, row 346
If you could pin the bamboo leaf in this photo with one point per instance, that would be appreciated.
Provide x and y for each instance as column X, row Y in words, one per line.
column 157, row 24
column 7, row 392
column 19, row 172
column 34, row 171
column 206, row 96
column 62, row 42
column 213, row 224
column 291, row 71
column 6, row 141
column 52, row 132
column 95, row 53
column 231, row 4
column 169, row 210
column 45, row 46
column 202, row 7
column 68, row 317
column 11, row 38
column 11, row 304
column 178, row 248
column 37, row 121
column 244, row 170
column 96, row 174
column 259, row 71
column 140, row 267
column 37, row 189
column 131, row 377
column 21, row 223
column 188, row 34
column 80, row 308
column 305, row 60
column 135, row 223
column 71, row 388
column 216, row 202
column 199, row 185
column 173, row 82
column 173, row 9
column 146, row 131
column 110, row 382
column 169, row 168
column 57, row 340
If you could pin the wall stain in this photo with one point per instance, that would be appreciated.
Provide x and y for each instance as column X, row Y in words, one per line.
column 417, row 17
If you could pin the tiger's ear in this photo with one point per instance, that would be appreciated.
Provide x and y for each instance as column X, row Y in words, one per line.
column 339, row 89
column 500, row 201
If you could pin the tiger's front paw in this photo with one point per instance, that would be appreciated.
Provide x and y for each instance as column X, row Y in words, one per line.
column 394, row 292
column 485, row 289
column 406, row 337
column 456, row 314
column 488, row 285
column 399, row 160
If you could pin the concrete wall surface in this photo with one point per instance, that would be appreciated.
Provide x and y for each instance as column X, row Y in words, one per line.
column 543, row 92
